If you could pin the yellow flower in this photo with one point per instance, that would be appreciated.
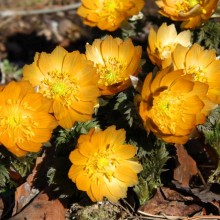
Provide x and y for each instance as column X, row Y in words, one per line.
column 172, row 105
column 24, row 120
column 69, row 80
column 192, row 12
column 162, row 43
column 203, row 66
column 115, row 61
column 103, row 166
column 108, row 14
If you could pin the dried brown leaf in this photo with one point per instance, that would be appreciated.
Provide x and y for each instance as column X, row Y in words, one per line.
column 160, row 205
column 187, row 166
column 42, row 208
column 25, row 192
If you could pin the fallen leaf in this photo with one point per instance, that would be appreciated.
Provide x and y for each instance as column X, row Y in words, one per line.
column 6, row 204
column 25, row 192
column 172, row 195
column 187, row 166
column 206, row 195
column 1, row 207
column 42, row 208
column 162, row 204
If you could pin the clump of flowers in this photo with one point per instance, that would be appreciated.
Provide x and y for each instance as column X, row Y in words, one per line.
column 202, row 64
column 108, row 14
column 68, row 80
column 115, row 61
column 192, row 12
column 163, row 42
column 172, row 105
column 103, row 166
column 24, row 120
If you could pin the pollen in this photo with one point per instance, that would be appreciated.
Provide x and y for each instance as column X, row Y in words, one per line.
column 112, row 72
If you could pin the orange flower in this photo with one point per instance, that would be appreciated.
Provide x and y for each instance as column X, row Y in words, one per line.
column 24, row 120
column 162, row 43
column 192, row 12
column 108, row 14
column 203, row 66
column 172, row 105
column 103, row 165
column 115, row 61
column 69, row 81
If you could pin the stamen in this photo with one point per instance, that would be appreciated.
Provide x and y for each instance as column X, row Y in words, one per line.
column 165, row 106
column 112, row 72
column 59, row 85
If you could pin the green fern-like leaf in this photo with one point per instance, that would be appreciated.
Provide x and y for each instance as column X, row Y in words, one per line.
column 65, row 140
column 24, row 165
column 58, row 177
column 4, row 176
column 207, row 36
column 153, row 162
column 125, row 104
column 10, row 70
column 211, row 131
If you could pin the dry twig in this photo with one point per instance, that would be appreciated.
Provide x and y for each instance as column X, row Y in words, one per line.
column 163, row 216
column 9, row 13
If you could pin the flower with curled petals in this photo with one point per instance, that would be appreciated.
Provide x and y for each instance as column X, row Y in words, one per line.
column 103, row 166
column 24, row 120
column 202, row 65
column 192, row 12
column 108, row 14
column 173, row 105
column 69, row 81
column 162, row 42
column 115, row 61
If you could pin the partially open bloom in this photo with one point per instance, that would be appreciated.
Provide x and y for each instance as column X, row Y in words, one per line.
column 203, row 66
column 172, row 105
column 192, row 12
column 68, row 80
column 115, row 61
column 24, row 120
column 162, row 42
column 103, row 166
column 108, row 14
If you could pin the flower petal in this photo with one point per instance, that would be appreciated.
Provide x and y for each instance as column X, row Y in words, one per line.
column 77, row 158
column 124, row 151
column 83, row 181
column 127, row 175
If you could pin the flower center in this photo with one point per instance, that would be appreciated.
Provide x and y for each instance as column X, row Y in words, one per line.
column 165, row 108
column 198, row 73
column 13, row 120
column 112, row 72
column 59, row 89
column 110, row 5
column 110, row 10
column 101, row 163
column 186, row 5
column 59, row 85
column 16, row 121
